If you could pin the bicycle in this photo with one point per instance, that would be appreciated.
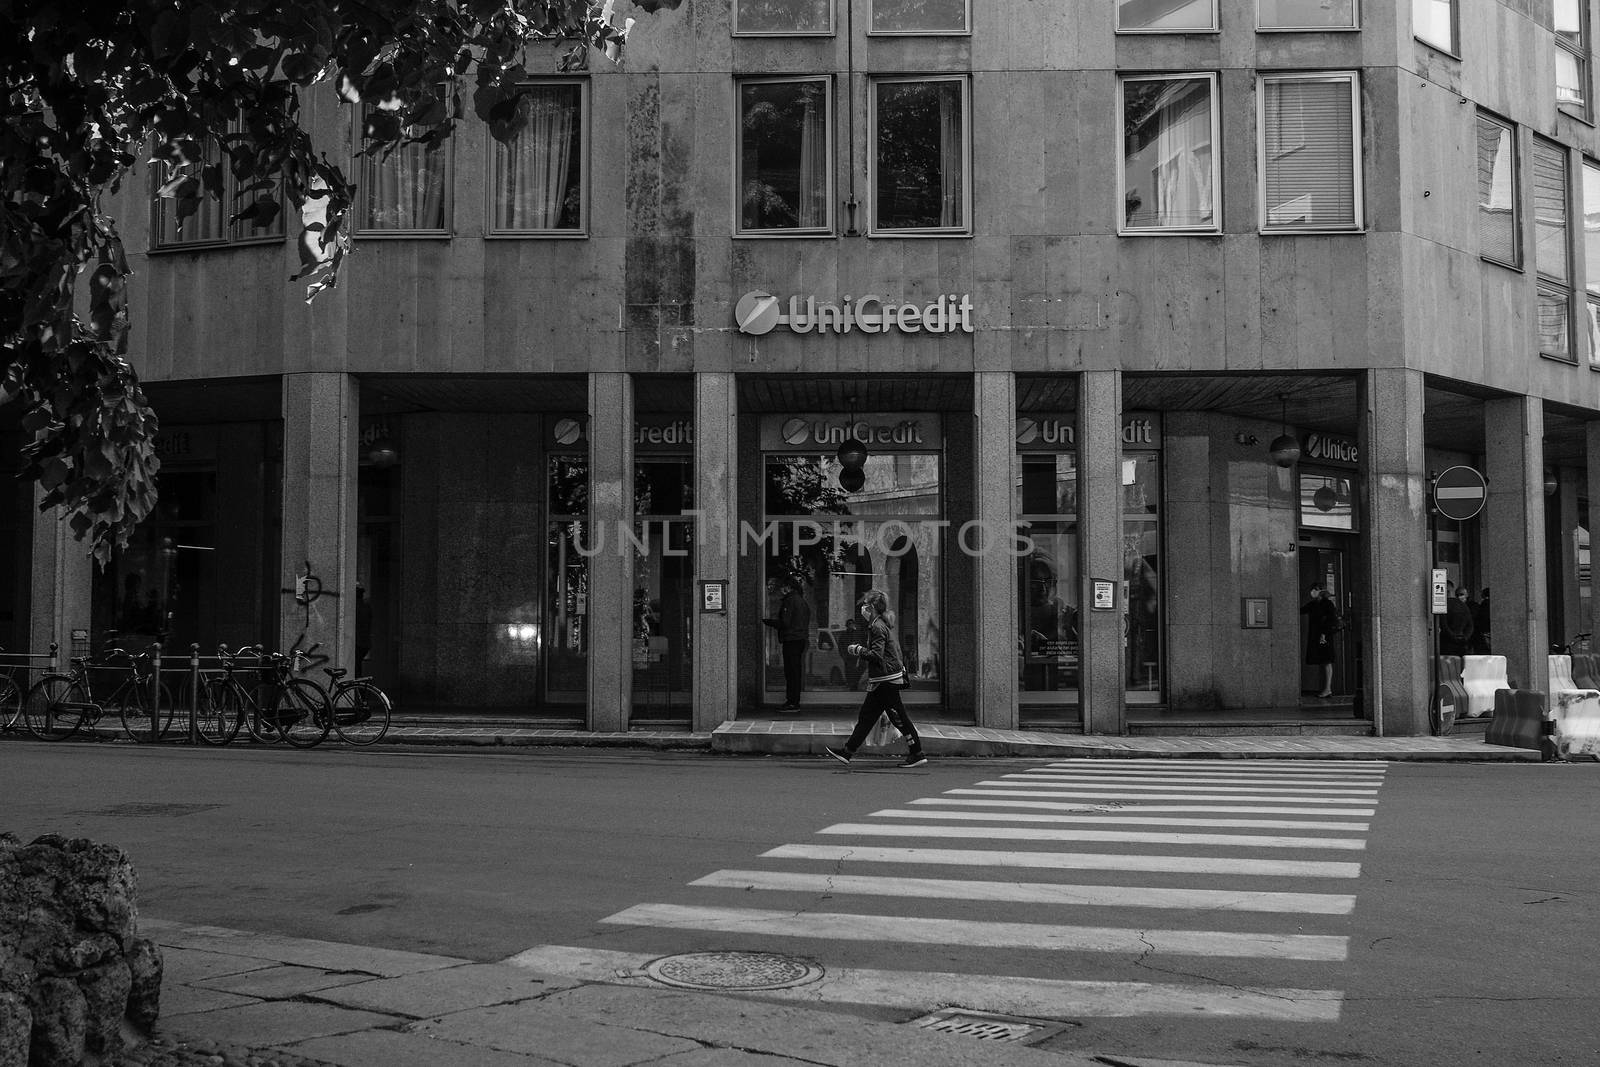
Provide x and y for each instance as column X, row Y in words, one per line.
column 60, row 705
column 1576, row 643
column 361, row 711
column 10, row 695
column 295, row 709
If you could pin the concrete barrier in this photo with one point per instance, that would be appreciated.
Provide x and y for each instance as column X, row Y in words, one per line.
column 1586, row 670
column 1573, row 712
column 1482, row 677
column 1520, row 721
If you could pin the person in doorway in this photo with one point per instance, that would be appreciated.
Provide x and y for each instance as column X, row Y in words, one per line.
column 886, row 676
column 363, row 627
column 794, row 637
column 1480, row 624
column 1322, row 622
column 1456, row 630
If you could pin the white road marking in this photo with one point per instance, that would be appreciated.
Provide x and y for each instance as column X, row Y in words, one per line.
column 1232, row 764
column 1231, row 771
column 1111, row 809
column 1021, row 833
column 1119, row 819
column 1169, row 780
column 1087, row 861
column 1047, row 893
column 1032, row 789
column 1197, row 783
column 1002, row 994
column 1036, row 936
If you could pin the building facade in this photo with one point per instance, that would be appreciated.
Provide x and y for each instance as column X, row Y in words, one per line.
column 1151, row 314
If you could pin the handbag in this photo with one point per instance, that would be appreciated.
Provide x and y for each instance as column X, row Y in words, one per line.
column 883, row 732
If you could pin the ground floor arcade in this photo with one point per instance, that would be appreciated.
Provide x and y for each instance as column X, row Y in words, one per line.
column 1096, row 551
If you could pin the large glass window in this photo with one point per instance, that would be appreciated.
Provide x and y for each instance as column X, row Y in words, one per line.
column 1310, row 152
column 209, row 223
column 567, row 575
column 920, row 155
column 1434, row 22
column 1306, row 15
column 539, row 175
column 1499, row 219
column 775, row 17
column 406, row 190
column 1327, row 500
column 1591, row 255
column 1169, row 176
column 836, row 545
column 785, row 156
column 1572, row 55
column 1048, row 578
column 919, row 16
column 663, row 580
column 1166, row 16
column 1552, row 248
column 1142, row 599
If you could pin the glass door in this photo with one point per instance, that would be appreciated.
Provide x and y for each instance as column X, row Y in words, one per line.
column 1047, row 578
column 663, row 595
column 1143, row 624
column 566, row 605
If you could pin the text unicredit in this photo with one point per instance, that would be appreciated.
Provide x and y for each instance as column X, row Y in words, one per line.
column 871, row 314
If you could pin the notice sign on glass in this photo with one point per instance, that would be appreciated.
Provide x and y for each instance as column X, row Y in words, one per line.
column 1105, row 597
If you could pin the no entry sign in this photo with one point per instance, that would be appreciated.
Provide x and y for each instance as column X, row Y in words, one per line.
column 1458, row 493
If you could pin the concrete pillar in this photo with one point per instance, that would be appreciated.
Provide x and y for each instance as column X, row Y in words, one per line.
column 994, row 603
column 1591, row 489
column 611, row 568
column 1100, row 534
column 1513, row 531
column 320, row 417
column 63, row 572
column 716, row 470
column 1396, row 626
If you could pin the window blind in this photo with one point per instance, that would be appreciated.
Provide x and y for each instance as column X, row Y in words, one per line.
column 1308, row 156
column 1497, row 191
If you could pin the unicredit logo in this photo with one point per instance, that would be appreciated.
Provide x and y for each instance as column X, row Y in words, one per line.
column 795, row 432
column 759, row 312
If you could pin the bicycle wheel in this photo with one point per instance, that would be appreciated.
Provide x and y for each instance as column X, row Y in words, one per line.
column 10, row 704
column 361, row 713
column 137, row 713
column 258, row 722
column 221, row 711
column 300, row 713
column 56, row 707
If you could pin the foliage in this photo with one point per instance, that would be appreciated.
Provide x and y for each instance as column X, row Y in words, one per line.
column 194, row 86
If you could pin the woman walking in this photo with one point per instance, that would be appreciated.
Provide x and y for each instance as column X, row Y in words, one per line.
column 886, row 676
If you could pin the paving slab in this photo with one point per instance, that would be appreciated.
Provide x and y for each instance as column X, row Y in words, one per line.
column 442, row 992
column 389, row 1048
column 267, row 1024
column 179, row 1000
column 281, row 982
column 536, row 1028
column 187, row 966
column 326, row 955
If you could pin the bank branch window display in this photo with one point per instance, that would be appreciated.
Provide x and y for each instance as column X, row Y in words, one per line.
column 1048, row 577
column 838, row 544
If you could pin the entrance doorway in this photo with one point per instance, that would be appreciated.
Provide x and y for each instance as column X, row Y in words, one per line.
column 1325, row 559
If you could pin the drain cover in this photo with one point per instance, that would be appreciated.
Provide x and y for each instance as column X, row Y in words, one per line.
column 732, row 970
column 989, row 1027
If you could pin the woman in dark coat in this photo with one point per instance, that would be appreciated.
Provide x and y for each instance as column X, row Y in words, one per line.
column 886, row 676
column 1322, row 622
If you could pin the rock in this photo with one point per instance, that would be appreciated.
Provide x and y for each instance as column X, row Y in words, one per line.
column 144, row 997
column 105, row 995
column 16, row 1024
column 58, row 1011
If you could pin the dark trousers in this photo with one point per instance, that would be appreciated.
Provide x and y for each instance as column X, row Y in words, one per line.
column 794, row 658
column 885, row 698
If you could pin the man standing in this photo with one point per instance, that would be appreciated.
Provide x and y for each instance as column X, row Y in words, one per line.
column 1456, row 630
column 794, row 636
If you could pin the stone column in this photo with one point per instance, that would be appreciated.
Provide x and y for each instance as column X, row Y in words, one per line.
column 611, row 567
column 1396, row 626
column 320, row 465
column 994, row 604
column 63, row 574
column 716, row 470
column 1513, row 531
column 1100, row 542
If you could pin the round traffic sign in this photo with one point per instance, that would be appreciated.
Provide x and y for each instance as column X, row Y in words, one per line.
column 1459, row 492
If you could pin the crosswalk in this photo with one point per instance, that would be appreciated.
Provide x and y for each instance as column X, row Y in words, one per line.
column 1250, row 867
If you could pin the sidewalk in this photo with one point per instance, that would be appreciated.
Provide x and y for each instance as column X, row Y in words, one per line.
column 231, row 997
column 810, row 736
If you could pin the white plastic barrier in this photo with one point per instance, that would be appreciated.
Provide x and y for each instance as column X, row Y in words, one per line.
column 1575, row 712
column 1480, row 677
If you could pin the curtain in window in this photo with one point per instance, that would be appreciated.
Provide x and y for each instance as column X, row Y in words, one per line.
column 1308, row 162
column 812, row 191
column 1497, row 203
column 1168, row 175
column 538, row 175
column 406, row 191
column 783, row 155
column 209, row 221
column 1591, row 227
column 921, row 155
column 950, row 151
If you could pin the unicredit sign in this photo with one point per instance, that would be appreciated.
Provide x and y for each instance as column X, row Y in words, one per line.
column 759, row 312
column 879, row 432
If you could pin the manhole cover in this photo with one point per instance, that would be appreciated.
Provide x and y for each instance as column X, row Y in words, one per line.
column 989, row 1027
column 732, row 970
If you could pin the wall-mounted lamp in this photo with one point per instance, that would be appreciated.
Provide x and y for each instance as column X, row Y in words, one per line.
column 383, row 456
column 1550, row 483
column 1246, row 439
column 1285, row 448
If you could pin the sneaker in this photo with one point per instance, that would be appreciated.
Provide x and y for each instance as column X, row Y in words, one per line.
column 790, row 709
column 914, row 759
column 839, row 754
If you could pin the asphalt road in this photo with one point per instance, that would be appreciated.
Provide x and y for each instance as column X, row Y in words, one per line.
column 1470, row 937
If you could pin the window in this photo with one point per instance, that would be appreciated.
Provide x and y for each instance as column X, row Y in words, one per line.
column 785, row 165
column 406, row 191
column 1572, row 55
column 1591, row 255
column 208, row 225
column 1552, row 252
column 1168, row 181
column 1310, row 152
column 920, row 16
column 539, row 175
column 1434, row 22
column 1499, row 222
column 777, row 17
column 1306, row 15
column 921, row 156
column 1166, row 16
